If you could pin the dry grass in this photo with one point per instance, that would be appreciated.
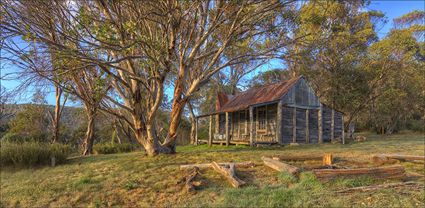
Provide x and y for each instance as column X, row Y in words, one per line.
column 132, row 179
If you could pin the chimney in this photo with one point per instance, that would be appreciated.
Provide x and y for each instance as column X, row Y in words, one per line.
column 222, row 99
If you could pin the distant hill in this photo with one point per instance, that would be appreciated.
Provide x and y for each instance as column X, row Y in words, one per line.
column 71, row 116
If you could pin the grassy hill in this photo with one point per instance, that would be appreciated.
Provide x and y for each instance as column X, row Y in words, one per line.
column 132, row 179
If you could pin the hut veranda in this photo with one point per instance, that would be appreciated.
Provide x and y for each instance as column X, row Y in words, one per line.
column 282, row 113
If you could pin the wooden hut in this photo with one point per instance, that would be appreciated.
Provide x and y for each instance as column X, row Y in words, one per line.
column 281, row 113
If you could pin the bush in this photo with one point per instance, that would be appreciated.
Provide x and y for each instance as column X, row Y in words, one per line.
column 19, row 138
column 108, row 148
column 32, row 153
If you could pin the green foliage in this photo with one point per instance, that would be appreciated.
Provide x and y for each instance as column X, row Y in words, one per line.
column 19, row 138
column 29, row 124
column 29, row 154
column 109, row 148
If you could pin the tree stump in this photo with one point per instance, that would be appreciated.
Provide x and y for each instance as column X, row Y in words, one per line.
column 327, row 159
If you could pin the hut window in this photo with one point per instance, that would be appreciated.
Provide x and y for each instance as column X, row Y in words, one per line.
column 261, row 118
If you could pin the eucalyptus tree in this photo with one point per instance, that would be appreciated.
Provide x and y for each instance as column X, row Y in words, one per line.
column 333, row 56
column 43, row 55
column 400, row 55
column 141, row 45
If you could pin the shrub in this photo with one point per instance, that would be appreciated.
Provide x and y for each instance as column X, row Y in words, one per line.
column 32, row 153
column 108, row 148
column 19, row 138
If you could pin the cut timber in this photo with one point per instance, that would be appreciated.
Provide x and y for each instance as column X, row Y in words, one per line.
column 209, row 165
column 298, row 158
column 327, row 159
column 410, row 184
column 229, row 173
column 402, row 157
column 280, row 166
column 189, row 186
column 391, row 172
column 382, row 160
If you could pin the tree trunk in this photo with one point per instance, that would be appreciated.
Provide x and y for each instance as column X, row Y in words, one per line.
column 192, row 123
column 56, row 117
column 176, row 112
column 88, row 140
column 146, row 135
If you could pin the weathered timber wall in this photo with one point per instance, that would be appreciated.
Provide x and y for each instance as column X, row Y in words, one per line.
column 327, row 117
column 286, row 125
column 300, row 137
column 338, row 125
column 301, row 95
column 313, row 127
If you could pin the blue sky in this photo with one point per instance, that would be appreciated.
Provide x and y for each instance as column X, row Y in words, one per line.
column 391, row 9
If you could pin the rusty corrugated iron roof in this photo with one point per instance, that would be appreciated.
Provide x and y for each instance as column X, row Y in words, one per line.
column 258, row 95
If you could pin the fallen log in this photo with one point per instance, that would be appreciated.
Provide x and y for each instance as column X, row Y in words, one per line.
column 410, row 184
column 280, row 166
column 401, row 157
column 382, row 160
column 228, row 171
column 248, row 164
column 298, row 158
column 189, row 185
column 391, row 172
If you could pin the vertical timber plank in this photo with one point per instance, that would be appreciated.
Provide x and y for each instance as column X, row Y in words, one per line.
column 279, row 122
column 307, row 130
column 246, row 121
column 227, row 129
column 196, row 131
column 217, row 123
column 210, row 132
column 333, row 125
column 252, row 130
column 320, row 124
column 342, row 127
column 294, row 125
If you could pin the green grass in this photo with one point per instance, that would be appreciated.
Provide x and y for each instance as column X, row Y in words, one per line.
column 133, row 179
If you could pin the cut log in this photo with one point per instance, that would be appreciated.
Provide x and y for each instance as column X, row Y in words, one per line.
column 410, row 184
column 189, row 185
column 298, row 158
column 280, row 166
column 402, row 157
column 248, row 164
column 229, row 173
column 382, row 160
column 327, row 159
column 391, row 172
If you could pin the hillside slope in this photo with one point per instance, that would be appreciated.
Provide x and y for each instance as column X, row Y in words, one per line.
column 133, row 179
